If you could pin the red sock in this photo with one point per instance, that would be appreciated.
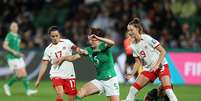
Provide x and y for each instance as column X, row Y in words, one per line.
column 59, row 99
column 167, row 87
column 137, row 86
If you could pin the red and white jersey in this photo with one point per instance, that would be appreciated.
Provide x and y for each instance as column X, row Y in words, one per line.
column 145, row 50
column 55, row 51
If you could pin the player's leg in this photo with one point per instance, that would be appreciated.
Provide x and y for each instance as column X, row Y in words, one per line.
column 142, row 80
column 71, row 97
column 8, row 84
column 89, row 88
column 22, row 73
column 58, row 86
column 114, row 98
column 111, row 88
column 164, row 76
column 70, row 88
column 12, row 80
column 59, row 92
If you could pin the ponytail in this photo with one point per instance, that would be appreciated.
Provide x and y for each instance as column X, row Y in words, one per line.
column 136, row 23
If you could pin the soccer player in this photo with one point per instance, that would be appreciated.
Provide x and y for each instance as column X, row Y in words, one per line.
column 148, row 52
column 62, row 73
column 100, row 54
column 15, row 61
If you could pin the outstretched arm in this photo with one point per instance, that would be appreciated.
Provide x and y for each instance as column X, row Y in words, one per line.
column 71, row 57
column 67, row 58
column 43, row 68
column 109, row 42
column 79, row 50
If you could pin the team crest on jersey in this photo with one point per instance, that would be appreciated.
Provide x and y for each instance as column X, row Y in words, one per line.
column 64, row 48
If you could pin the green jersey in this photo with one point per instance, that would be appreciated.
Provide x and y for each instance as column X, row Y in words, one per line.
column 103, row 60
column 14, row 43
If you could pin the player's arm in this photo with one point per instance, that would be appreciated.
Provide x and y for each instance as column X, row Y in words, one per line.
column 68, row 58
column 109, row 42
column 79, row 50
column 42, row 71
column 72, row 57
column 135, row 67
column 12, row 51
column 161, row 56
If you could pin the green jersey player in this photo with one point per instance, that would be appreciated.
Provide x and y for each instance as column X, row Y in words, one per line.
column 15, row 61
column 106, row 81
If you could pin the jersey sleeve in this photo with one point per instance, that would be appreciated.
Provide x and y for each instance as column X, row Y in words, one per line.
column 153, row 42
column 8, row 37
column 46, row 55
column 70, row 44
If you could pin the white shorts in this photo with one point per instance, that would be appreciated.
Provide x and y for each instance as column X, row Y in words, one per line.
column 16, row 63
column 110, row 87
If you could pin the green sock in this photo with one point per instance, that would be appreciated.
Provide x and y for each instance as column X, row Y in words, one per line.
column 25, row 82
column 12, row 80
column 78, row 98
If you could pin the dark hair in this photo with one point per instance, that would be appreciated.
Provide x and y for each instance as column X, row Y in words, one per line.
column 136, row 23
column 53, row 28
column 97, row 32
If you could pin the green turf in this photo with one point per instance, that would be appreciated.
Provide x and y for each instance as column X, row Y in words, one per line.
column 46, row 93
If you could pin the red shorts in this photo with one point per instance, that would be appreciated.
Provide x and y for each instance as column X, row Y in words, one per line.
column 69, row 85
column 164, row 71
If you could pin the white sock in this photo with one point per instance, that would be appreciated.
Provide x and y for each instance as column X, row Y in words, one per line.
column 131, row 95
column 171, row 95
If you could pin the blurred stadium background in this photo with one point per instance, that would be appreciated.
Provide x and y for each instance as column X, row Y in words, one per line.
column 175, row 23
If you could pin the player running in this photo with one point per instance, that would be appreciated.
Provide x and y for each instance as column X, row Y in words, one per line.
column 106, row 81
column 62, row 73
column 148, row 52
column 15, row 61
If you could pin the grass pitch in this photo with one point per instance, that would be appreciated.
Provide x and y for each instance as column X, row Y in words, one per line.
column 46, row 93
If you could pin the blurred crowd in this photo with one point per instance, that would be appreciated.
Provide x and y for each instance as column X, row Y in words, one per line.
column 175, row 23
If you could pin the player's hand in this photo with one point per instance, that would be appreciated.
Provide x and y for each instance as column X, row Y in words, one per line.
column 59, row 61
column 128, row 76
column 90, row 37
column 18, row 54
column 21, row 54
column 93, row 36
column 77, row 56
column 83, row 52
column 37, row 84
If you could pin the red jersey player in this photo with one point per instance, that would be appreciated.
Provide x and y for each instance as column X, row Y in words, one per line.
column 62, row 73
column 148, row 52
